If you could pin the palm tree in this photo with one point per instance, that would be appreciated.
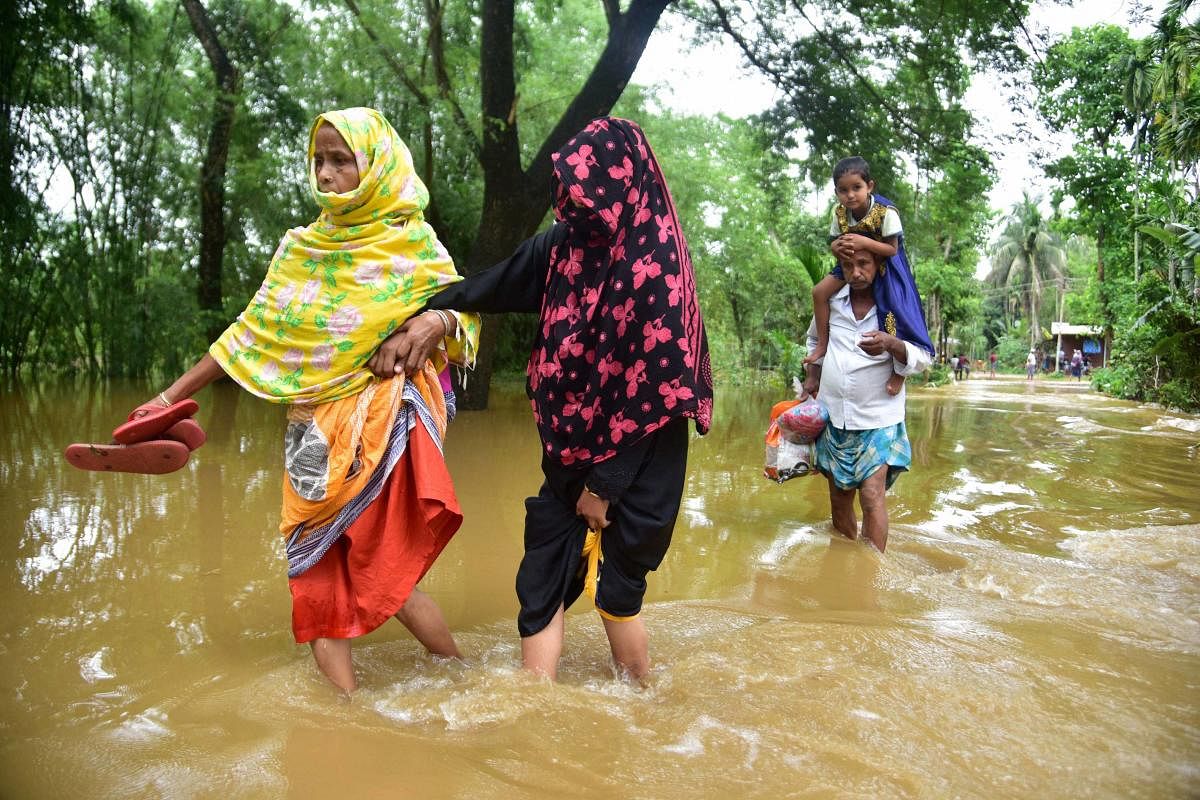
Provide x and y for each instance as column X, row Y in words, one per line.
column 1026, row 259
column 1161, row 85
column 1163, row 91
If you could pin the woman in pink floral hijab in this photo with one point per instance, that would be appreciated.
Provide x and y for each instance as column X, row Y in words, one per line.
column 619, row 362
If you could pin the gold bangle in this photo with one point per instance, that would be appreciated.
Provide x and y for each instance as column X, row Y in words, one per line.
column 162, row 397
column 593, row 494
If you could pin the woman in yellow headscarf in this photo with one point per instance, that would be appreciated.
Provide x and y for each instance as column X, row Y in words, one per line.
column 367, row 502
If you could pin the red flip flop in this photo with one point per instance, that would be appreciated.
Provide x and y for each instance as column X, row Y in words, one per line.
column 187, row 431
column 156, row 421
column 150, row 458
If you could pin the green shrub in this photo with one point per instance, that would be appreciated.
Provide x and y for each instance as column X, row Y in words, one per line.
column 1157, row 360
column 1011, row 351
column 788, row 355
column 937, row 375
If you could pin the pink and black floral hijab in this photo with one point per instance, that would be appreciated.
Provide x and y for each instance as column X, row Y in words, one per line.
column 621, row 350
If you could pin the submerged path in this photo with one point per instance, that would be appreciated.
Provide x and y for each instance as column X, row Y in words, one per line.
column 1033, row 631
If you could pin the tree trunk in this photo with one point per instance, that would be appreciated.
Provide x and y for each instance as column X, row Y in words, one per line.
column 739, row 328
column 935, row 321
column 1035, row 292
column 432, row 210
column 1058, row 347
column 212, row 171
column 516, row 199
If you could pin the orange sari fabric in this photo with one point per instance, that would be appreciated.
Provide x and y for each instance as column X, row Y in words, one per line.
column 372, row 568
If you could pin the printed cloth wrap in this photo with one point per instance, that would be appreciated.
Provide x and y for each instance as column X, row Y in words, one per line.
column 897, row 301
column 850, row 457
column 338, row 455
column 336, row 288
column 621, row 349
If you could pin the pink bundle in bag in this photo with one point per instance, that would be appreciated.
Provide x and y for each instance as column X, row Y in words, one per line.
column 804, row 421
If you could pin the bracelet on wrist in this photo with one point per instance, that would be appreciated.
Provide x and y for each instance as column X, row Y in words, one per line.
column 162, row 398
column 445, row 321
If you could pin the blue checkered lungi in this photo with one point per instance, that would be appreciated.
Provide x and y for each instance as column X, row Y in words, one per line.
column 850, row 457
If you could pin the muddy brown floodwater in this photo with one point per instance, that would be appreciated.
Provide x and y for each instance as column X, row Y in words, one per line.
column 1033, row 630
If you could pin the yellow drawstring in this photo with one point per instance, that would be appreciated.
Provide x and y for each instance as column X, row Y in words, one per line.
column 591, row 551
column 594, row 555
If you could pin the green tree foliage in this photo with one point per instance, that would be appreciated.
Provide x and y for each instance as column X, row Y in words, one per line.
column 120, row 141
column 1155, row 351
column 886, row 80
column 112, row 136
column 1081, row 302
column 1028, row 258
column 37, row 40
column 102, row 272
column 1162, row 85
column 1080, row 84
column 882, row 78
column 946, row 230
column 1131, row 183
column 1012, row 347
column 1158, row 359
column 756, row 253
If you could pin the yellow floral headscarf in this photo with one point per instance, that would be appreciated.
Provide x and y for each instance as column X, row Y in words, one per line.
column 336, row 288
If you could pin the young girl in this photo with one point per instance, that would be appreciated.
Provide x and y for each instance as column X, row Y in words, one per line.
column 863, row 220
column 619, row 363
column 367, row 502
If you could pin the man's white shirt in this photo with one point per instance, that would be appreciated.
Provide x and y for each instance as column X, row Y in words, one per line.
column 853, row 384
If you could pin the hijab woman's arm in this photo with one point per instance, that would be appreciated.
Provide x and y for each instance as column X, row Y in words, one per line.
column 512, row 285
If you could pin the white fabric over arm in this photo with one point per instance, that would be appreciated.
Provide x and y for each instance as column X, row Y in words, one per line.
column 918, row 360
column 811, row 339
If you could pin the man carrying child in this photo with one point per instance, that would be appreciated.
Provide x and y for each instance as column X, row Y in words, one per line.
column 865, row 446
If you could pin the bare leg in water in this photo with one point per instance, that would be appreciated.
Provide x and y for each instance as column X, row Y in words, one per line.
column 628, row 640
column 841, row 505
column 424, row 620
column 872, row 496
column 333, row 659
column 630, row 646
column 540, row 652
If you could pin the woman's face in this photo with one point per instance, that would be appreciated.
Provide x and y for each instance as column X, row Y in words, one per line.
column 333, row 162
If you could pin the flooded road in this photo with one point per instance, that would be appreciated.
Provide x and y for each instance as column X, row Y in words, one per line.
column 1032, row 631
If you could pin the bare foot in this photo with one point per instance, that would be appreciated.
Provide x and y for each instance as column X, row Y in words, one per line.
column 895, row 384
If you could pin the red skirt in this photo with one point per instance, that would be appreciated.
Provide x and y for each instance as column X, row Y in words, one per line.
column 370, row 571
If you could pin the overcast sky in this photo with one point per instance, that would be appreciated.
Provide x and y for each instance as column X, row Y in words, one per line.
column 707, row 80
